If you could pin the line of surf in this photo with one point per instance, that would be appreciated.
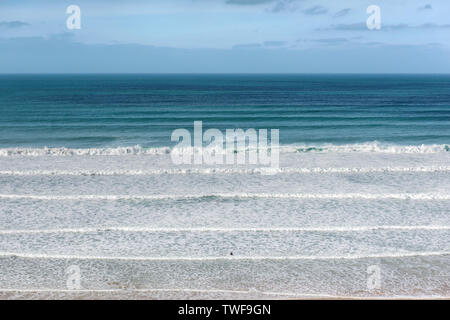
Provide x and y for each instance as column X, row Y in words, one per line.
column 337, row 196
column 228, row 230
column 369, row 147
column 243, row 292
column 221, row 258
column 206, row 171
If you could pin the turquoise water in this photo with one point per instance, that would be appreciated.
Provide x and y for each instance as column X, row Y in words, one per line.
column 81, row 111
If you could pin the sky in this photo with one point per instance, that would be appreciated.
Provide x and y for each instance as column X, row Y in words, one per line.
column 225, row 36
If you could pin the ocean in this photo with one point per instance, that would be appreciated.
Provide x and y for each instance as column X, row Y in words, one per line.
column 358, row 207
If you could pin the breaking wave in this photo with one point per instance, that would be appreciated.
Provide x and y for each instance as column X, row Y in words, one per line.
column 213, row 258
column 330, row 229
column 206, row 171
column 367, row 196
column 370, row 147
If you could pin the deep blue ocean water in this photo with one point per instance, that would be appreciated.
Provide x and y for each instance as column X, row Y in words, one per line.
column 80, row 111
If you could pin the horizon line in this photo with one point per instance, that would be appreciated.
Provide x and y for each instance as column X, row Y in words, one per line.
column 224, row 73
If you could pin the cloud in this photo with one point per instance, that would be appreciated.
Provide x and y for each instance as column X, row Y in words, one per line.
column 346, row 27
column 279, row 6
column 332, row 41
column 426, row 7
column 393, row 27
column 316, row 10
column 292, row 5
column 52, row 55
column 285, row 5
column 274, row 43
column 432, row 26
column 12, row 24
column 247, row 2
column 342, row 13
column 267, row 44
column 65, row 36
column 247, row 46
column 425, row 26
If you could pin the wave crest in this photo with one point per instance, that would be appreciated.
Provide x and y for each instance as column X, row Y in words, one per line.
column 375, row 147
column 370, row 147
column 118, row 151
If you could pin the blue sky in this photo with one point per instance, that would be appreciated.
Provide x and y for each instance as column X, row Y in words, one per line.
column 225, row 36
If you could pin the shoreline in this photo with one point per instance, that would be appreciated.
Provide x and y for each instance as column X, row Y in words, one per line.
column 188, row 294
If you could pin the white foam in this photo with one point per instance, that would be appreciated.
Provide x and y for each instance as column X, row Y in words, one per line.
column 374, row 147
column 216, row 258
column 299, row 295
column 227, row 230
column 367, row 196
column 369, row 147
column 118, row 151
column 206, row 171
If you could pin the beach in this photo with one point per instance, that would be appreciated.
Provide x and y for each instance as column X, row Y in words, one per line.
column 362, row 188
